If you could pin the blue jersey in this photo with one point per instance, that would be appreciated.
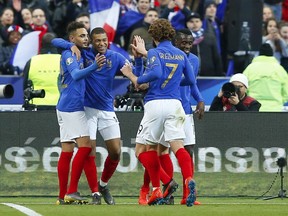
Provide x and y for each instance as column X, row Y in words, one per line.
column 72, row 91
column 165, row 66
column 187, row 91
column 99, row 85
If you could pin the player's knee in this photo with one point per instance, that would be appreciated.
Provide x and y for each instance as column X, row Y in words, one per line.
column 115, row 155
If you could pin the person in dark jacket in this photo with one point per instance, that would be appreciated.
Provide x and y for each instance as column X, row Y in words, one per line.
column 205, row 47
column 234, row 97
column 14, row 34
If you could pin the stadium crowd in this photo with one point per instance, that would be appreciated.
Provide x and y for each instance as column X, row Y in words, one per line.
column 206, row 19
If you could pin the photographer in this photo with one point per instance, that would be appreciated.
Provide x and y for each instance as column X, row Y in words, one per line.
column 233, row 97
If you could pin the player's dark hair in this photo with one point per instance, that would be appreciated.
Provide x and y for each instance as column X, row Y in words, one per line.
column 180, row 32
column 183, row 31
column 73, row 26
column 98, row 30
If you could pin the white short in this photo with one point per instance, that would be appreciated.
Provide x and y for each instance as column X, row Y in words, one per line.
column 189, row 129
column 72, row 125
column 161, row 116
column 189, row 132
column 105, row 122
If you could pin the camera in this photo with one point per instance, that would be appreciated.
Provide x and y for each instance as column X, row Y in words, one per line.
column 30, row 93
column 6, row 91
column 131, row 101
column 229, row 90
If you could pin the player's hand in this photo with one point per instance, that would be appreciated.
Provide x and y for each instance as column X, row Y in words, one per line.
column 126, row 70
column 76, row 51
column 200, row 108
column 143, row 86
column 133, row 49
column 138, row 46
column 100, row 60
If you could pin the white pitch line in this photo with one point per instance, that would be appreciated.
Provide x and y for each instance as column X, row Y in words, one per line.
column 23, row 209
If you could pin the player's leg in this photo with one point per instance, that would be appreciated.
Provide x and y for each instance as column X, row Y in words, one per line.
column 63, row 169
column 108, row 126
column 145, row 189
column 76, row 124
column 189, row 143
column 63, row 166
column 151, row 128
column 166, row 174
column 174, row 133
column 90, row 168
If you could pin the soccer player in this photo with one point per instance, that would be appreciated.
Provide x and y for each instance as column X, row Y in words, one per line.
column 71, row 116
column 184, row 41
column 99, row 103
column 163, row 111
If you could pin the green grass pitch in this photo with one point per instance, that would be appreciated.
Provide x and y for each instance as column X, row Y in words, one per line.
column 129, row 207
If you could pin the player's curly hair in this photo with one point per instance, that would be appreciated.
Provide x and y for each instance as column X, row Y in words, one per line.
column 161, row 30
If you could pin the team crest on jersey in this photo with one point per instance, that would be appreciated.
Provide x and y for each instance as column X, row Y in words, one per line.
column 69, row 61
column 109, row 63
column 152, row 59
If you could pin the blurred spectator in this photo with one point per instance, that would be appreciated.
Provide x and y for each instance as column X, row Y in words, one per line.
column 85, row 19
column 6, row 20
column 193, row 4
column 233, row 96
column 6, row 51
column 59, row 21
column 40, row 24
column 276, row 6
column 18, row 5
column 130, row 21
column 284, row 34
column 210, row 23
column 126, row 5
column 273, row 37
column 74, row 8
column 161, row 5
column 150, row 17
column 176, row 12
column 268, row 81
column 221, row 9
column 66, row 11
column 27, row 18
column 267, row 13
column 205, row 47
